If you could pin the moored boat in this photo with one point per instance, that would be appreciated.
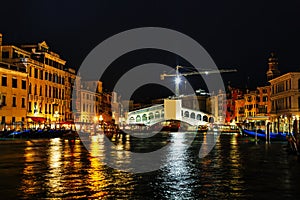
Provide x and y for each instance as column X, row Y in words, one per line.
column 261, row 134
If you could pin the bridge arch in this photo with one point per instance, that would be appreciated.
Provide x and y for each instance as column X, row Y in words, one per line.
column 144, row 117
column 157, row 115
column 186, row 114
column 131, row 119
column 192, row 115
column 199, row 117
column 151, row 116
column 138, row 118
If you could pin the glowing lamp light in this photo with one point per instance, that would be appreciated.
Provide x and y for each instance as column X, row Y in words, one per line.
column 177, row 80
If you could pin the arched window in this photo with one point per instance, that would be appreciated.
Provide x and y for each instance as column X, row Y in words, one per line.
column 138, row 118
column 198, row 117
column 193, row 115
column 131, row 119
column 151, row 116
column 205, row 118
column 162, row 115
column 211, row 120
column 144, row 117
column 157, row 115
column 186, row 114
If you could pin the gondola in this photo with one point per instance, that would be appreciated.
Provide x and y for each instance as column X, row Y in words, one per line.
column 261, row 134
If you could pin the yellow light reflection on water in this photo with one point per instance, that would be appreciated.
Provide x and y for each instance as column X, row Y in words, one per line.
column 236, row 182
column 97, row 179
column 54, row 178
column 29, row 184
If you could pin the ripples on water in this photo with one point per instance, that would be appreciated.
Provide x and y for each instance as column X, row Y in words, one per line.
column 235, row 169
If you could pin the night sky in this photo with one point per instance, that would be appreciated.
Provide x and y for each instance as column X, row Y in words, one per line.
column 237, row 34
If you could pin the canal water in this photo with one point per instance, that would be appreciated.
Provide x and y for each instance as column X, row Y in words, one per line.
column 236, row 168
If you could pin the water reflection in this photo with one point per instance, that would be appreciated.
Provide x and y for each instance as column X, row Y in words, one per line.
column 177, row 177
column 234, row 169
column 97, row 179
column 30, row 186
column 236, row 182
column 55, row 163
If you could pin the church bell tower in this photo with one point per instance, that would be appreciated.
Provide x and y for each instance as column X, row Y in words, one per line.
column 273, row 71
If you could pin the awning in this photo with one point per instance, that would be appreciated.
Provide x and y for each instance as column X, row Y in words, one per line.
column 257, row 118
column 38, row 119
column 67, row 122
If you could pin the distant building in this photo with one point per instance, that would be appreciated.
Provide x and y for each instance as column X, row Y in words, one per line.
column 216, row 105
column 195, row 102
column 232, row 95
column 251, row 103
column 264, row 101
column 257, row 103
column 240, row 115
column 88, row 101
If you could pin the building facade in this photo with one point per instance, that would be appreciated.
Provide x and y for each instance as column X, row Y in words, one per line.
column 48, row 83
column 216, row 105
column 285, row 101
column 13, row 96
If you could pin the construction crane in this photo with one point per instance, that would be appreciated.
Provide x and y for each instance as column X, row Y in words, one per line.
column 177, row 75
